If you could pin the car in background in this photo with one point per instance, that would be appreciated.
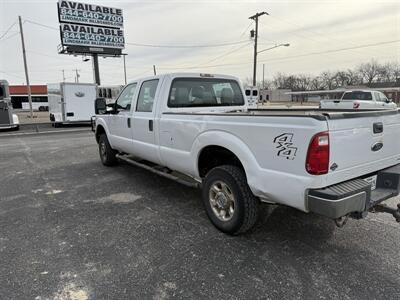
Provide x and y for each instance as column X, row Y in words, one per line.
column 359, row 99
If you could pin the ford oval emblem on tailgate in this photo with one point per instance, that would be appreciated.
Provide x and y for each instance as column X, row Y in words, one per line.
column 377, row 146
column 79, row 94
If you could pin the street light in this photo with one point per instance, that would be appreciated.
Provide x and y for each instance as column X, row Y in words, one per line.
column 276, row 46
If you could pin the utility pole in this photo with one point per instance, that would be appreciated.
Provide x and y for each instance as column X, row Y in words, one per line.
column 123, row 55
column 263, row 83
column 63, row 71
column 154, row 69
column 255, row 18
column 77, row 75
column 26, row 67
column 96, row 71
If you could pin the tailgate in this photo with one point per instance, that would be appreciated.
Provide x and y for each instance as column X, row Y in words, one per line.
column 362, row 143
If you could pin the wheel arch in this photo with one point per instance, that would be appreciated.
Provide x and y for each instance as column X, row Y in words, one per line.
column 227, row 148
column 100, row 128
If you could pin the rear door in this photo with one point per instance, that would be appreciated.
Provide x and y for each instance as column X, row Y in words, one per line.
column 79, row 101
column 362, row 143
column 143, row 131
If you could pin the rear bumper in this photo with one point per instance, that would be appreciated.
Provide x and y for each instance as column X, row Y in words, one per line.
column 354, row 196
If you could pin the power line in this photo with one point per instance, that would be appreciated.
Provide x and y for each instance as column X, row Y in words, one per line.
column 10, row 36
column 187, row 46
column 336, row 50
column 9, row 28
column 247, row 28
column 42, row 25
column 226, row 54
column 313, row 32
column 214, row 59
column 303, row 55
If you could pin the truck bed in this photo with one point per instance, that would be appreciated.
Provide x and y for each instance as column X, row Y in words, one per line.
column 319, row 114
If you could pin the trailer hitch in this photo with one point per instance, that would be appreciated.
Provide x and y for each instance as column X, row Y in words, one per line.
column 383, row 208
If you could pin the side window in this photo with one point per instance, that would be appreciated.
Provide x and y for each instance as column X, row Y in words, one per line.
column 255, row 93
column 247, row 92
column 124, row 100
column 383, row 97
column 146, row 96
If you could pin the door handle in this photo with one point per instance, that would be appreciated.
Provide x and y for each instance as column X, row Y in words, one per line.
column 129, row 122
column 378, row 127
column 150, row 125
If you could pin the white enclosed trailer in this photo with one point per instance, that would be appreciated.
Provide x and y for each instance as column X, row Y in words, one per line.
column 8, row 120
column 71, row 102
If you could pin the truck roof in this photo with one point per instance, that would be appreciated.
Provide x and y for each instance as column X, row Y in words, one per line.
column 184, row 74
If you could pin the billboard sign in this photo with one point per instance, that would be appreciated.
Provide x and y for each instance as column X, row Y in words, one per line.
column 89, row 14
column 91, row 36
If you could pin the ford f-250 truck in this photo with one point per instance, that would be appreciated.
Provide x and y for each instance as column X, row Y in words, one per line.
column 333, row 163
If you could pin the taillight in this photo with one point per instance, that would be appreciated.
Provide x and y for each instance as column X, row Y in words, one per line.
column 317, row 162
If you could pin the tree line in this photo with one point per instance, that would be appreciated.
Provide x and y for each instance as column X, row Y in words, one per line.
column 363, row 74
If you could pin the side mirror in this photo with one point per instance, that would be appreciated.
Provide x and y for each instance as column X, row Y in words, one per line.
column 100, row 106
column 388, row 100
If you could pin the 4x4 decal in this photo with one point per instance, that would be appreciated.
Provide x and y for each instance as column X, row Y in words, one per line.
column 285, row 147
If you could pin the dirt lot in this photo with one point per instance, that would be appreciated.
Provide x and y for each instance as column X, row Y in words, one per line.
column 71, row 228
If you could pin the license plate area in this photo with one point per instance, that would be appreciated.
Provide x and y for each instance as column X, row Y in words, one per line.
column 372, row 180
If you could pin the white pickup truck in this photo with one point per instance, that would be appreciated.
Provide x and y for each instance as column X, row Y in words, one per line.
column 197, row 126
column 359, row 99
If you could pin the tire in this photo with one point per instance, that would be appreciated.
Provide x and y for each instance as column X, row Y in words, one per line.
column 107, row 154
column 232, row 180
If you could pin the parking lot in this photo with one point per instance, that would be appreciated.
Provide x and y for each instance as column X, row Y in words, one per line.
column 74, row 229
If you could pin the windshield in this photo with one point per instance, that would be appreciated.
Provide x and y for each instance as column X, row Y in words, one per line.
column 357, row 96
column 198, row 92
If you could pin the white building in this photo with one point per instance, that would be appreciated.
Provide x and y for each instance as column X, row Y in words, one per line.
column 279, row 95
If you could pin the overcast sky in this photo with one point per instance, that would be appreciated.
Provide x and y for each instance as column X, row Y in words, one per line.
column 310, row 27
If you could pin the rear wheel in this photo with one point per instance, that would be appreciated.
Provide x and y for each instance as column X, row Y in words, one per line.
column 229, row 202
column 107, row 154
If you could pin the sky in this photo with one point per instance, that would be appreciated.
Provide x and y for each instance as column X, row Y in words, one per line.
column 323, row 35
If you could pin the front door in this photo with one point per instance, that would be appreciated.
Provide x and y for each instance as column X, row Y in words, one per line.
column 143, row 130
column 121, row 120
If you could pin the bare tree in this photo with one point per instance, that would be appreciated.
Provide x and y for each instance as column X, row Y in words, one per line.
column 303, row 82
column 341, row 79
column 369, row 71
column 363, row 74
column 328, row 80
column 353, row 77
column 317, row 83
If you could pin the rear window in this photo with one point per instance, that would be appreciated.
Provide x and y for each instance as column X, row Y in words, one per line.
column 357, row 96
column 195, row 92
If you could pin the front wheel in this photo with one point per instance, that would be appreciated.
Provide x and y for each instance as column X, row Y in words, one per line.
column 229, row 202
column 107, row 154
